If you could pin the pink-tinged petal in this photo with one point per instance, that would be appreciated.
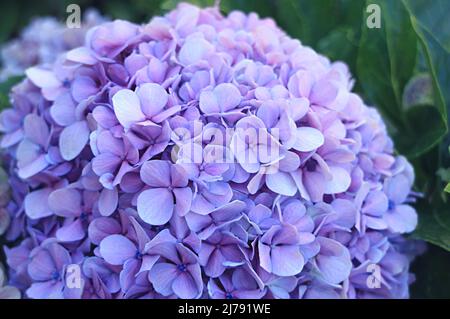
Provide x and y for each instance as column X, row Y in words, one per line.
column 108, row 201
column 287, row 260
column 36, row 204
column 339, row 182
column 156, row 173
column 116, row 249
column 308, row 139
column 81, row 55
column 127, row 108
column 155, row 206
column 300, row 84
column 281, row 183
column 340, row 156
column 42, row 78
column 162, row 276
column 183, row 199
column 65, row 202
column 324, row 92
column 153, row 98
column 73, row 139
column 36, row 129
column 187, row 18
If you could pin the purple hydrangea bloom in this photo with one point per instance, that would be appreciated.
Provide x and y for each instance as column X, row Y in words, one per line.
column 42, row 41
column 201, row 156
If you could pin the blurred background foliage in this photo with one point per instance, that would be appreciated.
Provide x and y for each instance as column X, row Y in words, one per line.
column 402, row 68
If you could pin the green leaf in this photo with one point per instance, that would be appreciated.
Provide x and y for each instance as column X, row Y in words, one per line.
column 436, row 49
column 444, row 174
column 340, row 45
column 432, row 17
column 429, row 20
column 168, row 5
column 434, row 226
column 447, row 188
column 262, row 7
column 311, row 21
column 420, row 136
column 8, row 22
column 386, row 59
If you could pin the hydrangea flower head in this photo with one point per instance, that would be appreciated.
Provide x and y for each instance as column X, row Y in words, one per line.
column 201, row 156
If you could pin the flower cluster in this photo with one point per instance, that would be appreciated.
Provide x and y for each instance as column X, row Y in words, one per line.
column 116, row 159
column 6, row 292
column 41, row 42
